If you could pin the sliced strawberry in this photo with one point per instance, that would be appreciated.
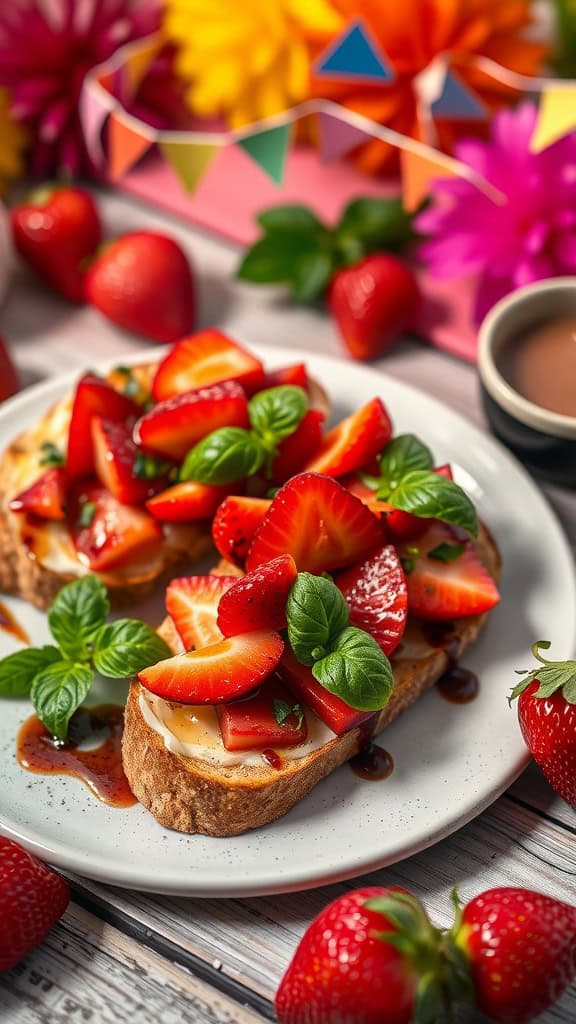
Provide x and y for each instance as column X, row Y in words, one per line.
column 295, row 450
column 447, row 589
column 208, row 357
column 192, row 603
column 220, row 672
column 115, row 458
column 338, row 715
column 377, row 596
column 258, row 600
column 354, row 442
column 174, row 426
column 296, row 375
column 314, row 519
column 234, row 526
column 263, row 719
column 187, row 501
column 93, row 397
column 46, row 497
column 108, row 535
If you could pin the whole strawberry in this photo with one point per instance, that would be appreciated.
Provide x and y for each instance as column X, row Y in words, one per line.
column 372, row 303
column 356, row 965
column 521, row 951
column 32, row 899
column 547, row 716
column 56, row 230
column 143, row 282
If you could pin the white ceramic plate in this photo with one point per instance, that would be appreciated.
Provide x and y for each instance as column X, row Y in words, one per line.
column 450, row 761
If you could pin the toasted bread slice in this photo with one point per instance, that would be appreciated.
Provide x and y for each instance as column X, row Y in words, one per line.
column 193, row 795
column 37, row 560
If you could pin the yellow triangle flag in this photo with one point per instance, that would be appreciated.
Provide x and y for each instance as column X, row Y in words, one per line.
column 556, row 116
column 190, row 160
column 417, row 173
column 125, row 146
column 138, row 62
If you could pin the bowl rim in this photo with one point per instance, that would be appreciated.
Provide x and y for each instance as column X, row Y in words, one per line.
column 520, row 408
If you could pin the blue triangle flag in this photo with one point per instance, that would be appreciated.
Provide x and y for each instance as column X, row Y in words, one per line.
column 457, row 101
column 354, row 55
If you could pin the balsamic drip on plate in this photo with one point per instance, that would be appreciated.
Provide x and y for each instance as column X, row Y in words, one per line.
column 8, row 624
column 457, row 685
column 92, row 752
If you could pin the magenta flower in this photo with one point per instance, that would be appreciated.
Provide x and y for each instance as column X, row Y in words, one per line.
column 530, row 237
column 46, row 48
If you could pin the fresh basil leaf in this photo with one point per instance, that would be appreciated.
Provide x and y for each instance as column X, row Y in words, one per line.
column 57, row 691
column 376, row 224
column 312, row 274
column 445, row 552
column 76, row 614
column 149, row 467
column 356, row 670
column 283, row 711
column 276, row 412
column 316, row 613
column 18, row 670
column 401, row 455
column 226, row 455
column 273, row 258
column 125, row 647
column 51, row 455
column 291, row 218
column 432, row 496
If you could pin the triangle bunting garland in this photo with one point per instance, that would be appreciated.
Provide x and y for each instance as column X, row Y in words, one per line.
column 269, row 149
column 190, row 160
column 417, row 173
column 337, row 138
column 556, row 116
column 457, row 101
column 125, row 146
column 354, row 55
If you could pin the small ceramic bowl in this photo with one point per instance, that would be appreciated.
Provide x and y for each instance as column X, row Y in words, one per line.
column 544, row 441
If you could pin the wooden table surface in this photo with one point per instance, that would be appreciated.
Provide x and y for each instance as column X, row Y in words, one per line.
column 121, row 956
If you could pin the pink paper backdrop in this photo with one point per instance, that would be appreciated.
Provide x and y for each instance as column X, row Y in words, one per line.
column 235, row 189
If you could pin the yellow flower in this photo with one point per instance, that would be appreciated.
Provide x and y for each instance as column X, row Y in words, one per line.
column 12, row 141
column 247, row 59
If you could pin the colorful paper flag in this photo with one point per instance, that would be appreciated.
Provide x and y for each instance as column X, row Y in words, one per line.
column 125, row 145
column 457, row 101
column 190, row 160
column 417, row 173
column 139, row 60
column 336, row 137
column 269, row 149
column 556, row 115
column 354, row 55
column 95, row 106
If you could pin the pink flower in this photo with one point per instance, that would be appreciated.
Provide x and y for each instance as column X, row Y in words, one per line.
column 46, row 48
column 530, row 237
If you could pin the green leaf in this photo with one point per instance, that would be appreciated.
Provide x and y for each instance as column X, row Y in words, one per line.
column 291, row 218
column 51, row 455
column 445, row 552
column 429, row 495
column 149, row 467
column 356, row 670
column 312, row 274
column 76, row 614
column 18, row 670
column 374, row 224
column 552, row 676
column 402, row 455
column 226, row 455
column 87, row 513
column 316, row 613
column 283, row 711
column 272, row 260
column 57, row 691
column 125, row 647
column 276, row 412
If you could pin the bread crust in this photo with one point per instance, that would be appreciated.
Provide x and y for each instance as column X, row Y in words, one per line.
column 192, row 796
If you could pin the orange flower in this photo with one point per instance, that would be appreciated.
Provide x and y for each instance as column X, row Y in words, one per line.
column 413, row 34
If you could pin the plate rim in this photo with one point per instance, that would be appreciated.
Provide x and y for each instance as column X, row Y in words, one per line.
column 55, row 387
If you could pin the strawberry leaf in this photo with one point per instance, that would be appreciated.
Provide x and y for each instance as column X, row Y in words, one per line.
column 292, row 219
column 273, row 259
column 311, row 276
column 374, row 224
column 552, row 676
